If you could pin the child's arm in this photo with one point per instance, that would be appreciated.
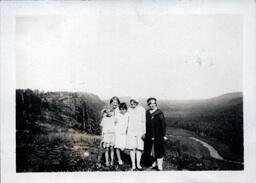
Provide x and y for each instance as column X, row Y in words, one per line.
column 127, row 124
column 162, row 118
column 143, row 125
column 143, row 120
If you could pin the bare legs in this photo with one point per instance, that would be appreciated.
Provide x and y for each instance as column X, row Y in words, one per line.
column 120, row 162
column 111, row 155
column 106, row 156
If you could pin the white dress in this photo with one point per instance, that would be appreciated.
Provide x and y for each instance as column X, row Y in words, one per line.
column 108, row 126
column 136, row 128
column 120, row 130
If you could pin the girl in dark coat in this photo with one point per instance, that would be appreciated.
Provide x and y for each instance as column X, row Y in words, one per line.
column 155, row 133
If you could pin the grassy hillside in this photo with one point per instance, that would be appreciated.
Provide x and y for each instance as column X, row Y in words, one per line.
column 49, row 125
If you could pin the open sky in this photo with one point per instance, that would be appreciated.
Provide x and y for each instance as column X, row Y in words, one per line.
column 162, row 55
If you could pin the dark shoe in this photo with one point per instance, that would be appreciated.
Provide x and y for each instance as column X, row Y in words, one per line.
column 132, row 169
column 155, row 168
column 139, row 169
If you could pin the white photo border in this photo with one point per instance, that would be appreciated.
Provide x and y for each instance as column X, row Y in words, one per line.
column 9, row 10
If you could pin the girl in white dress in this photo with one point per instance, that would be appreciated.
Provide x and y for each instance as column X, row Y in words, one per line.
column 136, row 131
column 121, row 130
column 108, row 134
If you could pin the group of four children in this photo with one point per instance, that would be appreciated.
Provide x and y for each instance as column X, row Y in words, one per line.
column 123, row 128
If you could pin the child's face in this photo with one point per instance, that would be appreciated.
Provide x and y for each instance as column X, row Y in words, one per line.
column 123, row 111
column 108, row 113
column 152, row 104
column 133, row 104
column 114, row 104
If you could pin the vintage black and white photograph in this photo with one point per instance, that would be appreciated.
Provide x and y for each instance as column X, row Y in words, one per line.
column 117, row 92
column 134, row 88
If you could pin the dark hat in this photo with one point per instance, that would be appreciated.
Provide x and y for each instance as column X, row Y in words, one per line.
column 151, row 98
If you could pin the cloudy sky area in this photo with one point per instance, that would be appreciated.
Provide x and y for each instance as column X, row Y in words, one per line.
column 163, row 55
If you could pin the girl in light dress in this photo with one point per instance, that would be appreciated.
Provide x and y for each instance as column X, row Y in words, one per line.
column 121, row 124
column 108, row 129
column 108, row 132
column 136, row 132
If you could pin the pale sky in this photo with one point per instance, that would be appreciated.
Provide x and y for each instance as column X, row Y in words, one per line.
column 142, row 55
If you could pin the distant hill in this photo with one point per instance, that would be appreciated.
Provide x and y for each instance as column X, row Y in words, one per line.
column 171, row 107
column 202, row 106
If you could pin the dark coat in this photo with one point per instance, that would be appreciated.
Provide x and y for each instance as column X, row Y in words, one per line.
column 155, row 128
column 155, row 124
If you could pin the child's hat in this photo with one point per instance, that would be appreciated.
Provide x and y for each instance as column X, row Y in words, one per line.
column 151, row 98
column 134, row 99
